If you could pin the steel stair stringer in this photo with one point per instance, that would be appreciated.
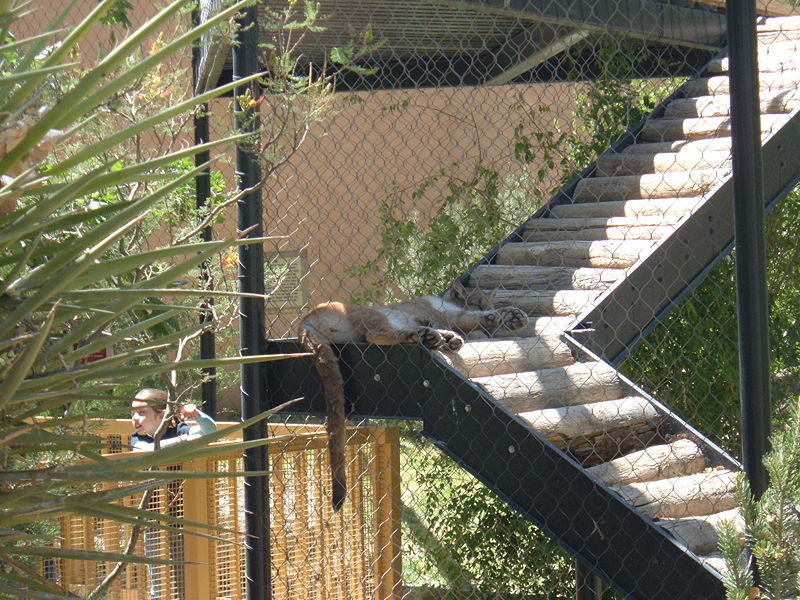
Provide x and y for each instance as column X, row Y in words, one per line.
column 628, row 311
column 589, row 520
column 626, row 549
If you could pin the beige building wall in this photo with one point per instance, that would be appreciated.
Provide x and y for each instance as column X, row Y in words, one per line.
column 323, row 203
column 385, row 144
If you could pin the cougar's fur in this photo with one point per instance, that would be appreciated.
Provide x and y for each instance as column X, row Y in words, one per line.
column 436, row 322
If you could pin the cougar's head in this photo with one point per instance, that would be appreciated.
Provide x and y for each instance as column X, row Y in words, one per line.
column 470, row 297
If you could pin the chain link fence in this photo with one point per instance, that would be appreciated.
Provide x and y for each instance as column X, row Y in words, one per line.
column 428, row 169
column 572, row 161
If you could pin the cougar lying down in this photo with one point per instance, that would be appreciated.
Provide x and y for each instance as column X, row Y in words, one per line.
column 436, row 322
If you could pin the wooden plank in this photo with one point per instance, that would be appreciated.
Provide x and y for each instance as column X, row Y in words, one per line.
column 611, row 254
column 770, row 101
column 681, row 184
column 630, row 163
column 658, row 130
column 600, row 233
column 358, row 574
column 279, row 529
column 699, row 534
column 626, row 208
column 197, row 549
column 547, row 302
column 773, row 63
column 720, row 84
column 387, row 515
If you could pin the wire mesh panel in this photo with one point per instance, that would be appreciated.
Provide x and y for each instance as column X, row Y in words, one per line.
column 571, row 161
column 313, row 554
column 517, row 218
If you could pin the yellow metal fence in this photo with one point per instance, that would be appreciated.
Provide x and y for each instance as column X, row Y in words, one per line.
column 315, row 553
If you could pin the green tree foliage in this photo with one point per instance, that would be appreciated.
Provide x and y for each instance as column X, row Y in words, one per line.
column 772, row 527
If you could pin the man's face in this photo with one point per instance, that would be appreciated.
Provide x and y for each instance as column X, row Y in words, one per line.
column 144, row 418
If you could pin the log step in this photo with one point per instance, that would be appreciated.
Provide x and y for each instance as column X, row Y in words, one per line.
column 552, row 224
column 600, row 233
column 483, row 358
column 682, row 184
column 715, row 561
column 613, row 254
column 699, row 534
column 627, row 208
column 543, row 278
column 720, row 84
column 773, row 101
column 767, row 63
column 658, row 130
column 682, row 457
column 686, row 496
column 702, row 146
column 780, row 24
column 590, row 420
column 663, row 162
column 578, row 383
column 546, row 325
column 548, row 302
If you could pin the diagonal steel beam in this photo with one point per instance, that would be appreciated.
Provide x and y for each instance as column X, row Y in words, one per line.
column 529, row 49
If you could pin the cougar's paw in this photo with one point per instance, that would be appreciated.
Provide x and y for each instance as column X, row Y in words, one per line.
column 412, row 337
column 491, row 320
column 513, row 318
column 430, row 338
column 452, row 341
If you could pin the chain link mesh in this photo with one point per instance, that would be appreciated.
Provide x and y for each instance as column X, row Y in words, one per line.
column 572, row 159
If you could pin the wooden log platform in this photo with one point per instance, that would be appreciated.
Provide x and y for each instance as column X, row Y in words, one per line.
column 720, row 84
column 663, row 162
column 547, row 302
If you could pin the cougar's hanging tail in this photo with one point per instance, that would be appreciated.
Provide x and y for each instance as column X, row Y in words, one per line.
column 327, row 366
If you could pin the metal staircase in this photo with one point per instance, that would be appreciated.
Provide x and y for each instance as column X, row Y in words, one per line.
column 544, row 418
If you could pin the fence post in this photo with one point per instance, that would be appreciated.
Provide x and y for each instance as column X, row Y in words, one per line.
column 197, row 549
column 386, row 491
column 751, row 286
column 251, row 320
column 202, row 183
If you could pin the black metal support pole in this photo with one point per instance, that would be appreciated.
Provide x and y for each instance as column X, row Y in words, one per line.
column 751, row 280
column 208, row 347
column 251, row 320
column 587, row 584
column 202, row 182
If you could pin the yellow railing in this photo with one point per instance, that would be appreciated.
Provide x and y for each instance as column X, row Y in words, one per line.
column 315, row 553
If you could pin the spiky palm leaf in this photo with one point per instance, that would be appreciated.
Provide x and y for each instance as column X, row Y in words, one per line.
column 64, row 294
